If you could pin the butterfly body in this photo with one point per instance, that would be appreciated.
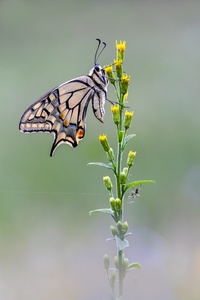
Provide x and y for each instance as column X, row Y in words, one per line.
column 63, row 110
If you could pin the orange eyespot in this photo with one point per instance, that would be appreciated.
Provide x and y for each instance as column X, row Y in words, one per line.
column 80, row 134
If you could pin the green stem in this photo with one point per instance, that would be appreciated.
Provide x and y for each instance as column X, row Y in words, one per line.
column 119, row 171
column 120, row 196
column 120, row 258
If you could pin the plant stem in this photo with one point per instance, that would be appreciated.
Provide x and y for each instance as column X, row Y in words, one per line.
column 120, row 196
column 120, row 258
column 119, row 151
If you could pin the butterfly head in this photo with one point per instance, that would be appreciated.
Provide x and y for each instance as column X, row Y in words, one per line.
column 99, row 75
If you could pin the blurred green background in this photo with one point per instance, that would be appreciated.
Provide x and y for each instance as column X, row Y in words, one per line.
column 50, row 248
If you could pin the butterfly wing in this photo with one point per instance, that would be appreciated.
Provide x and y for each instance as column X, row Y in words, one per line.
column 62, row 111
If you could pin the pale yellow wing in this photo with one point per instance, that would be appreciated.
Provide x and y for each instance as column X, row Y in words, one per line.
column 63, row 110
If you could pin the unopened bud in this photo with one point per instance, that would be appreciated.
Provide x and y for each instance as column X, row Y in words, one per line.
column 104, row 142
column 130, row 159
column 113, row 230
column 106, row 261
column 112, row 279
column 108, row 183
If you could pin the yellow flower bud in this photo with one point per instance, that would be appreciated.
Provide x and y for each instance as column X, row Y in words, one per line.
column 110, row 155
column 118, row 66
column 125, row 227
column 108, row 183
column 128, row 118
column 121, row 48
column 125, row 83
column 118, row 203
column 123, row 177
column 125, row 264
column 112, row 279
column 104, row 142
column 113, row 230
column 130, row 159
column 106, row 261
column 119, row 228
column 110, row 74
column 115, row 113
column 113, row 203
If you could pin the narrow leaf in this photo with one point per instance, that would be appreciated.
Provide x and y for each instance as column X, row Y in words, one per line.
column 101, row 165
column 139, row 182
column 128, row 137
column 108, row 211
column 134, row 266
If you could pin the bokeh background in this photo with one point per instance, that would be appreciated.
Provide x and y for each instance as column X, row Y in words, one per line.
column 50, row 248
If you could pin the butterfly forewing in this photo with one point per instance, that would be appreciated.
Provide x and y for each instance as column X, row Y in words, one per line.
column 63, row 110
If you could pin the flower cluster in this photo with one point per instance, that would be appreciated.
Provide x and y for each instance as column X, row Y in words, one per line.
column 120, row 77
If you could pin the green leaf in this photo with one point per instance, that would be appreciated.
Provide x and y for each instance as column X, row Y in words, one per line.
column 101, row 165
column 108, row 211
column 121, row 244
column 128, row 137
column 134, row 266
column 139, row 182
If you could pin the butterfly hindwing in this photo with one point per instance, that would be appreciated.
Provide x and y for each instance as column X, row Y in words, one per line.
column 63, row 110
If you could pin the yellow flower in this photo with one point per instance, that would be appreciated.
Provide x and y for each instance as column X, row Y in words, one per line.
column 114, row 109
column 104, row 142
column 118, row 63
column 118, row 66
column 110, row 74
column 133, row 154
column 126, row 78
column 125, row 82
column 121, row 48
column 102, row 137
column 129, row 114
column 108, row 69
column 115, row 113
column 128, row 118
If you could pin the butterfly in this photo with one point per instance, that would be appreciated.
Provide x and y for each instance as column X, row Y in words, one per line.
column 63, row 110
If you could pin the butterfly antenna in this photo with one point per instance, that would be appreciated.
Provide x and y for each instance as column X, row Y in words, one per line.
column 96, row 57
column 117, row 103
